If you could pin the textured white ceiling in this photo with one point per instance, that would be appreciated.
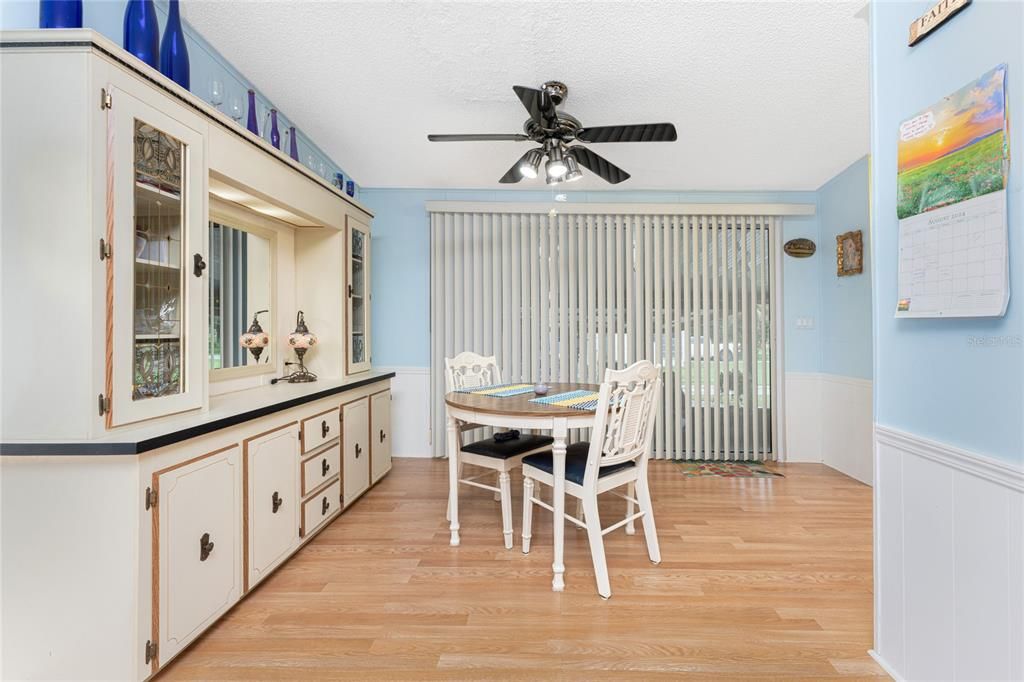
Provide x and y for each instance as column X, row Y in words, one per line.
column 765, row 95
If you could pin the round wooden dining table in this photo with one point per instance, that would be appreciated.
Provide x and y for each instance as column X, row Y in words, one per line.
column 517, row 412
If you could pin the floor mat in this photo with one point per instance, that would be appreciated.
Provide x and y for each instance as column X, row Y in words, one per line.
column 695, row 468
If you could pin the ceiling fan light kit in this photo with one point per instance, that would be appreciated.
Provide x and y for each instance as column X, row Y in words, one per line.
column 529, row 166
column 555, row 130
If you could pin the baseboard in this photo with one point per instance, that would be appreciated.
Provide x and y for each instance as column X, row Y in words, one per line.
column 885, row 665
column 949, row 561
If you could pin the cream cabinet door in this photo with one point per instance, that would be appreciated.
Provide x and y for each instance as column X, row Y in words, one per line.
column 357, row 284
column 272, row 522
column 380, row 435
column 355, row 456
column 198, row 562
column 157, row 244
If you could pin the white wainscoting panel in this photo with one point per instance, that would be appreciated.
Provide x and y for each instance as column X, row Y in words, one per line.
column 829, row 420
column 410, row 411
column 846, row 425
column 803, row 415
column 949, row 561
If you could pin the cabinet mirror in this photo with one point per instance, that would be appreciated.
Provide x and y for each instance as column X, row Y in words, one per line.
column 241, row 288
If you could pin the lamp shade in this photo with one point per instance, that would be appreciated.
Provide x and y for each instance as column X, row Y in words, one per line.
column 254, row 338
column 301, row 338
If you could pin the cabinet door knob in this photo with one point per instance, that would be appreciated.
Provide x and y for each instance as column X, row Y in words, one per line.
column 205, row 547
column 382, row 435
column 325, row 506
column 276, row 502
column 324, row 467
column 359, row 450
column 198, row 265
column 324, row 429
column 350, row 291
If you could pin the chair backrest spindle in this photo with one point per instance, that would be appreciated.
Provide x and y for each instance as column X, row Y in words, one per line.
column 624, row 424
column 470, row 370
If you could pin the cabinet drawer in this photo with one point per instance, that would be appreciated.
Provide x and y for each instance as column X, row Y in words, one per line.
column 319, row 429
column 320, row 468
column 320, row 507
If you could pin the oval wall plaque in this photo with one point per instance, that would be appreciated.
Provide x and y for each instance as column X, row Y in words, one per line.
column 800, row 248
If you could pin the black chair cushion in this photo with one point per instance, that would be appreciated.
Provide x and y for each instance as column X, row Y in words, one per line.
column 575, row 463
column 508, row 448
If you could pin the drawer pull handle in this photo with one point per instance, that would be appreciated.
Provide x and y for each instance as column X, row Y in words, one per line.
column 359, row 450
column 205, row 547
column 382, row 435
column 324, row 467
column 324, row 429
column 325, row 506
column 276, row 502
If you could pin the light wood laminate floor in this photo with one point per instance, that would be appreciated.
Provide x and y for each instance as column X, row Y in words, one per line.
column 760, row 578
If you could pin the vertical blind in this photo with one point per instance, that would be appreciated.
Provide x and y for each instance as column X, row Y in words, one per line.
column 560, row 297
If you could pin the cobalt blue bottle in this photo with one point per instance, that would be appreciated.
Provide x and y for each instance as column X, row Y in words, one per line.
column 173, row 52
column 141, row 32
column 60, row 13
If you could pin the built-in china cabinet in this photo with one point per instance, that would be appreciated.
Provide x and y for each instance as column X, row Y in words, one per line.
column 160, row 266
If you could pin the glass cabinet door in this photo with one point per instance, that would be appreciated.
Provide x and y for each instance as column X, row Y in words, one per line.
column 358, row 321
column 158, row 193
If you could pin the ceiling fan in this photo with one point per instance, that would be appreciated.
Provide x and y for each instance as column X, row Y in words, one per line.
column 554, row 130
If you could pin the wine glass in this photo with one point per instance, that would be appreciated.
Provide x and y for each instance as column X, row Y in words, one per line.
column 216, row 92
column 235, row 107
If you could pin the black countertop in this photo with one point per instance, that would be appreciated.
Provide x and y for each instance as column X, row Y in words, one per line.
column 225, row 411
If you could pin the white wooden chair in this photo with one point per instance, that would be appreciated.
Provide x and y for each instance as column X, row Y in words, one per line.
column 622, row 433
column 469, row 370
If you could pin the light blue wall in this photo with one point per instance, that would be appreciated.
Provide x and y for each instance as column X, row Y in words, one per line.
column 401, row 273
column 206, row 64
column 845, row 321
column 933, row 377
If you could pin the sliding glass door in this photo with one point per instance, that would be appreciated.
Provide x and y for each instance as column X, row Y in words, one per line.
column 562, row 297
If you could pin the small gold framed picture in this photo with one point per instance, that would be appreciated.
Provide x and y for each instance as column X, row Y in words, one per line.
column 850, row 253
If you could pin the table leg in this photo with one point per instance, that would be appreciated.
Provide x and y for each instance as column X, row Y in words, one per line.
column 453, row 479
column 559, row 433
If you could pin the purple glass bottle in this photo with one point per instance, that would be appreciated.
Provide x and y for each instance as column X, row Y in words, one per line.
column 141, row 32
column 60, row 13
column 293, row 144
column 252, row 124
column 173, row 52
column 275, row 134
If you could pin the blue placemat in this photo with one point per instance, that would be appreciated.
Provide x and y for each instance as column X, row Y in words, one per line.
column 499, row 390
column 577, row 400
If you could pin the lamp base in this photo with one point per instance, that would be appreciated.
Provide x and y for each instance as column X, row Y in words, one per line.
column 299, row 376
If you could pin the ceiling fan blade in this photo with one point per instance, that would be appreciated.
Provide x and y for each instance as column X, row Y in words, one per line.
column 479, row 137
column 513, row 174
column 598, row 164
column 538, row 104
column 642, row 132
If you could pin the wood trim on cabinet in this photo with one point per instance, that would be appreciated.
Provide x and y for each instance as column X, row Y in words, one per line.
column 319, row 489
column 319, row 453
column 108, row 372
column 155, row 595
column 302, row 428
column 245, row 499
